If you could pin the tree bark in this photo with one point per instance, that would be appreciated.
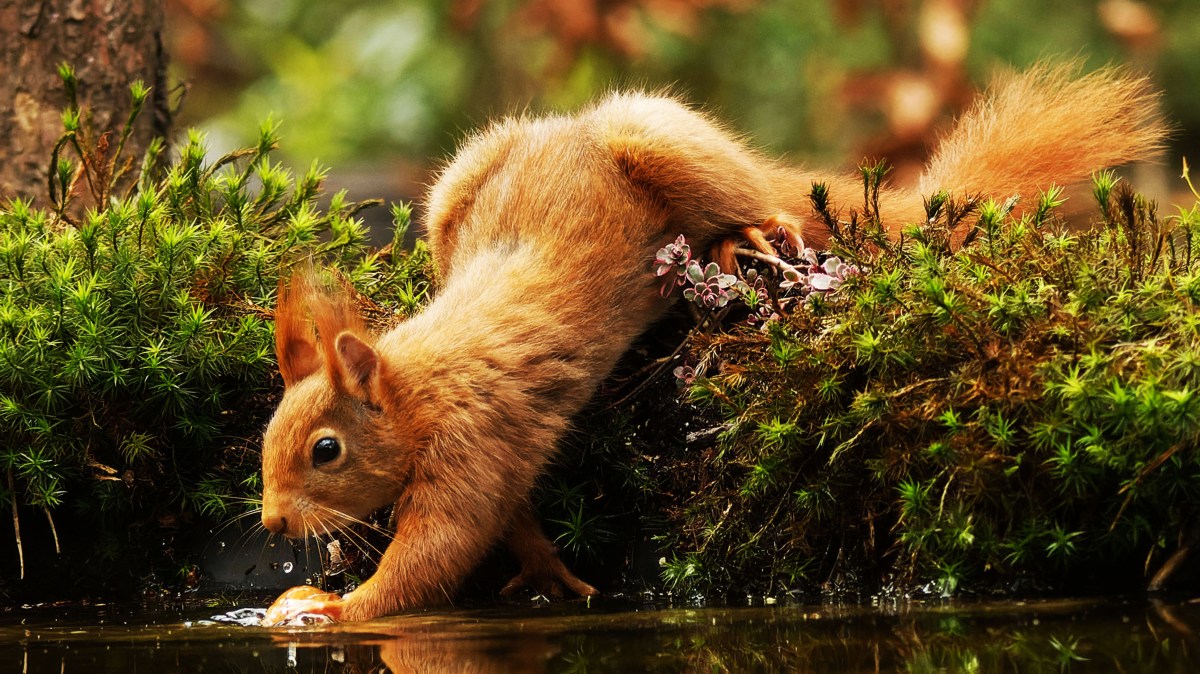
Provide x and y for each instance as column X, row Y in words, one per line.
column 110, row 44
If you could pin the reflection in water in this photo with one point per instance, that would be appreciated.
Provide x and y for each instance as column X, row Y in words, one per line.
column 1074, row 636
column 523, row 653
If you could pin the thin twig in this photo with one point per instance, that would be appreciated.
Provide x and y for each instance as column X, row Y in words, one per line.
column 1168, row 569
column 773, row 260
column 53, row 531
column 778, row 263
column 658, row 371
column 12, row 493
column 1128, row 489
column 620, row 382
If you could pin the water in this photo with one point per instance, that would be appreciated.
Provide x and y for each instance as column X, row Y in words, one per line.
column 624, row 636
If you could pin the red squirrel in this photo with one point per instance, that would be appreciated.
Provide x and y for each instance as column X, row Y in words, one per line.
column 544, row 230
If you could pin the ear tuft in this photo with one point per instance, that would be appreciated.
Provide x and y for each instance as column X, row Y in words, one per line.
column 342, row 340
column 295, row 341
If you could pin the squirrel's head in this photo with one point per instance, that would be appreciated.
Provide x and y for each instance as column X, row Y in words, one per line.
column 330, row 454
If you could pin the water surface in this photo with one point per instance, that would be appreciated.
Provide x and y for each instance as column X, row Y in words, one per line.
column 627, row 636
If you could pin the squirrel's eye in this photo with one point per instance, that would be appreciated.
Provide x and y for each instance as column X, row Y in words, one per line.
column 326, row 450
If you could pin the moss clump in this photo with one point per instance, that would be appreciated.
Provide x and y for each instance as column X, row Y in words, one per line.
column 1022, row 405
column 136, row 341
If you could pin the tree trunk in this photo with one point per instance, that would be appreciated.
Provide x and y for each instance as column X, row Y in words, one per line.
column 110, row 44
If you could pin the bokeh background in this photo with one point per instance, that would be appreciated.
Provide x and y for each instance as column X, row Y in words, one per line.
column 382, row 90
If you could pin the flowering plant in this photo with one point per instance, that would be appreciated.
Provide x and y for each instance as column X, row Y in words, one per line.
column 671, row 264
column 710, row 288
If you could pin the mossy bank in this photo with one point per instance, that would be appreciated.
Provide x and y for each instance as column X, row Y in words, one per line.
column 991, row 400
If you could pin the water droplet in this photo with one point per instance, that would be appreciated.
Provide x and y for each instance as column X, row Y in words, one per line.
column 287, row 567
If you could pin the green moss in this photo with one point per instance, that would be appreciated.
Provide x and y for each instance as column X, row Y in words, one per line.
column 1025, row 406
column 136, row 342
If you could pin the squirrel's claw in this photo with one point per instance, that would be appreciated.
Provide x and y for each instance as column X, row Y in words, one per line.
column 766, row 237
column 549, row 581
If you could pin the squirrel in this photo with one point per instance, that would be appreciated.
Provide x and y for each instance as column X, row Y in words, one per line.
column 544, row 230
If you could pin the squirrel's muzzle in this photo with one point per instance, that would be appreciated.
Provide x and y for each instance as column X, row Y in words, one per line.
column 275, row 524
column 274, row 518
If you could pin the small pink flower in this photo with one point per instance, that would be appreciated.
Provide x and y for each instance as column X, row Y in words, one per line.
column 684, row 375
column 671, row 262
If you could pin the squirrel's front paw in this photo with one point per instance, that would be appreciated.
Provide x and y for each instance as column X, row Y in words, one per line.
column 304, row 605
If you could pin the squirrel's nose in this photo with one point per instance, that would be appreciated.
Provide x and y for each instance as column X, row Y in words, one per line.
column 274, row 522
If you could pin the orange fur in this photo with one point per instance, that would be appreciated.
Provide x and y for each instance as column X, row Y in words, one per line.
column 1104, row 118
column 544, row 230
column 293, row 335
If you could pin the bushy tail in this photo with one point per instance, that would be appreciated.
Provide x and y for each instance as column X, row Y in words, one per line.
column 1047, row 125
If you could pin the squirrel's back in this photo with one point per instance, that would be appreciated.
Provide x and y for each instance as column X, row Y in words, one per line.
column 679, row 171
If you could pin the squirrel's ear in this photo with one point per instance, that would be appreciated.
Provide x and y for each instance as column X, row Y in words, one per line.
column 295, row 343
column 355, row 365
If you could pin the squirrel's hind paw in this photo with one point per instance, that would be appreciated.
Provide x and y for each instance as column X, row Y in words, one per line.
column 777, row 235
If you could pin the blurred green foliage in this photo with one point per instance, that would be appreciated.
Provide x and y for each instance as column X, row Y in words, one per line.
column 350, row 80
column 370, row 79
